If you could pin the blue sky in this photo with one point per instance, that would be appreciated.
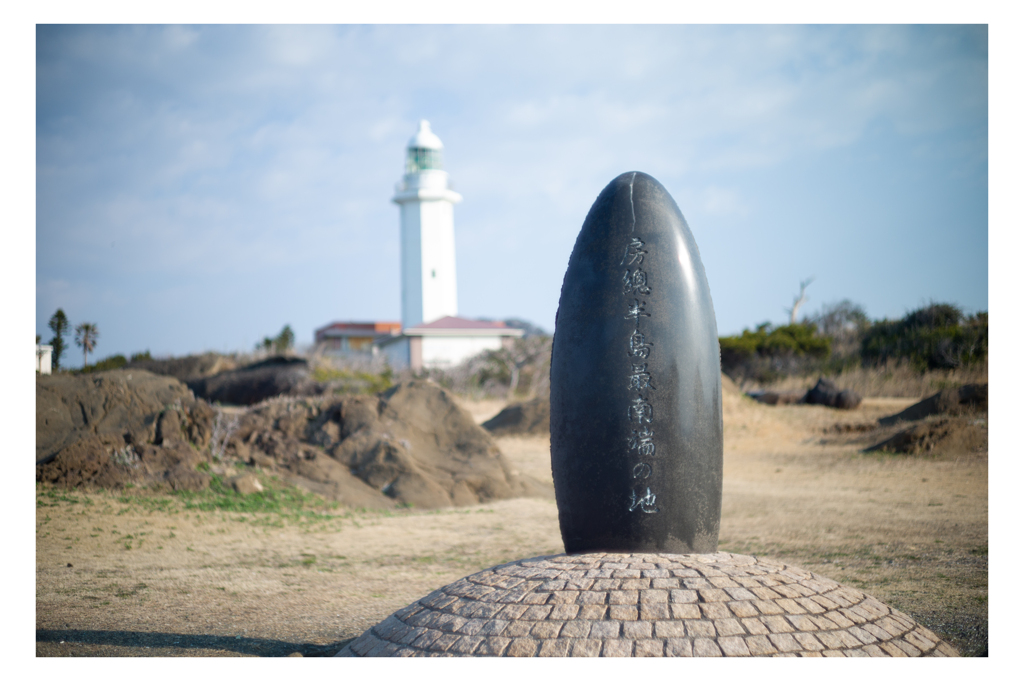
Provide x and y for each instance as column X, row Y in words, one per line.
column 199, row 187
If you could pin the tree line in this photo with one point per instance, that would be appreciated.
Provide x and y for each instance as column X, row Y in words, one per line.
column 840, row 336
column 86, row 336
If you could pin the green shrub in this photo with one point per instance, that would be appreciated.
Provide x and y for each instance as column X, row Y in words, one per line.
column 768, row 353
column 105, row 364
column 938, row 336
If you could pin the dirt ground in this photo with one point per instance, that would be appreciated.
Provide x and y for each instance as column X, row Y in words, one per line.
column 143, row 576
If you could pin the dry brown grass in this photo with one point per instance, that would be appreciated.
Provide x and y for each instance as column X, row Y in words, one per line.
column 891, row 380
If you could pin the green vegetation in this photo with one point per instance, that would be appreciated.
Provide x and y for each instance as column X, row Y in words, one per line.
column 280, row 343
column 59, row 325
column 354, row 380
column 86, row 336
column 841, row 338
column 939, row 336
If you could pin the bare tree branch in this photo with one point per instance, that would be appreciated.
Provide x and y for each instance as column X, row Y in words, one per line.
column 799, row 300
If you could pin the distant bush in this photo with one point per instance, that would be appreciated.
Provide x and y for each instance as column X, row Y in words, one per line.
column 105, row 364
column 768, row 353
column 140, row 356
column 938, row 336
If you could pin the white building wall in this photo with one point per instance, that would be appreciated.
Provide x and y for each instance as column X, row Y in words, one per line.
column 44, row 359
column 446, row 351
column 412, row 265
column 437, row 242
column 397, row 353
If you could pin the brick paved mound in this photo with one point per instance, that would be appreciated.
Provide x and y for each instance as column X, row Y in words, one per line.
column 645, row 604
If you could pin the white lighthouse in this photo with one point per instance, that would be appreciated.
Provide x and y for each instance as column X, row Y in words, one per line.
column 428, row 232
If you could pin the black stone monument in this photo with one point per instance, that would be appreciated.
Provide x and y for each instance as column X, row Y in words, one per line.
column 636, row 388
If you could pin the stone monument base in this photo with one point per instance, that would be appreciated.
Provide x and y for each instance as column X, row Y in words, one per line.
column 644, row 605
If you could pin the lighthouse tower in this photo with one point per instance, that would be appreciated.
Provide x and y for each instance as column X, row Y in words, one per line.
column 428, row 232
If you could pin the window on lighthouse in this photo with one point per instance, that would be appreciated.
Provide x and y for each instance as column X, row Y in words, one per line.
column 422, row 159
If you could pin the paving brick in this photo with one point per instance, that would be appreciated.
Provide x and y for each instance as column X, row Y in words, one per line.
column 623, row 612
column 839, row 620
column 705, row 647
column 743, row 609
column 654, row 596
column 616, row 648
column 518, row 629
column 697, row 583
column 678, row 647
column 443, row 642
column 829, row 640
column 585, row 648
column 522, row 647
column 648, row 648
column 825, row 602
column 654, row 611
column 853, row 616
column 715, row 610
column 764, row 593
column 575, row 629
column 768, row 607
column 605, row 629
column 493, row 627
column 810, row 605
column 684, row 611
column 536, row 612
column 808, row 641
column 670, row 629
column 552, row 585
column 592, row 597
column 637, row 584
column 754, row 626
column 760, row 645
column 856, row 652
column 631, row 597
column 916, row 638
column 729, row 627
column 556, row 647
column 607, row 584
column 890, row 625
column 893, row 650
column 535, row 598
column 733, row 646
column 910, row 650
column 426, row 638
column 777, row 624
column 846, row 639
column 700, row 629
column 666, row 583
column 802, row 623
column 563, row 612
column 712, row 595
column 592, row 612
column 876, row 631
column 785, row 643
column 546, row 629
column 636, row 630
column 408, row 610
column 578, row 584
column 682, row 596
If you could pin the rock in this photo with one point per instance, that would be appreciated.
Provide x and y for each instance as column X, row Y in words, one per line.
column 186, row 368
column 524, row 418
column 256, row 382
column 122, row 404
column 966, row 399
column 247, row 483
column 636, row 392
column 411, row 444
column 99, row 430
column 826, row 392
column 948, row 435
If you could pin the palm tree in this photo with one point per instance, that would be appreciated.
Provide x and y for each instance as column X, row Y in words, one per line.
column 85, row 338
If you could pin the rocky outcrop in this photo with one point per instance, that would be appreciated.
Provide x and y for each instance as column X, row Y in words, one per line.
column 523, row 418
column 119, row 427
column 411, row 444
column 966, row 399
column 257, row 382
column 826, row 392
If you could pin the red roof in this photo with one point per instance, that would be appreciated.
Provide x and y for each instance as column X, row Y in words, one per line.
column 460, row 323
